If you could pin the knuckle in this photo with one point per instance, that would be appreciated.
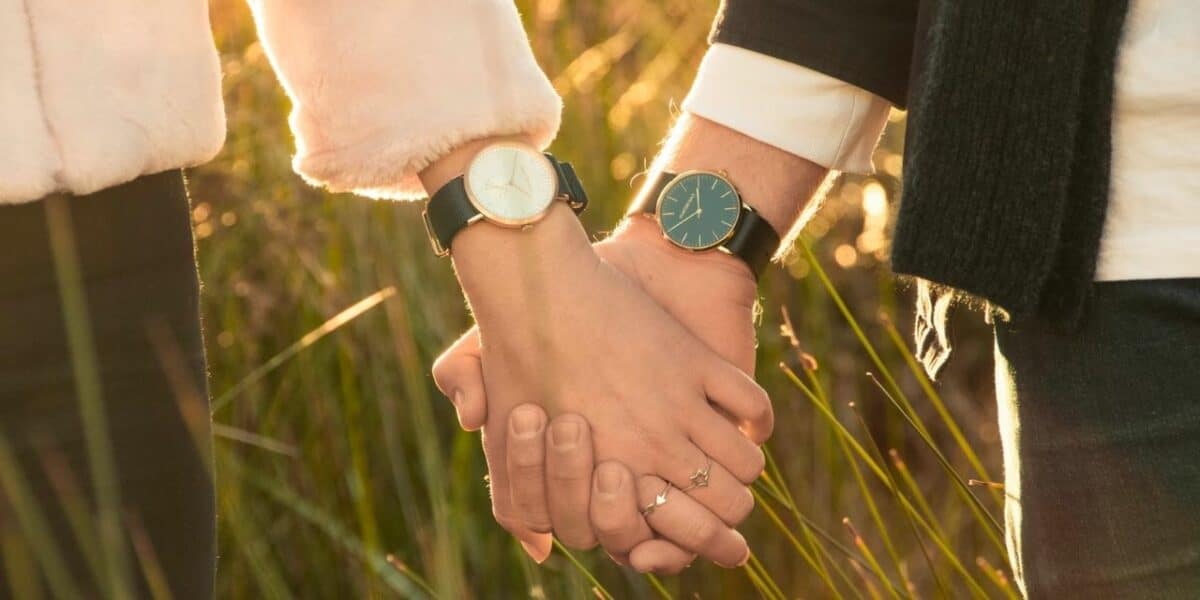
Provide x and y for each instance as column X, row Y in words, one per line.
column 763, row 411
column 608, row 522
column 611, row 525
column 738, row 506
column 506, row 521
column 528, row 412
column 699, row 533
column 472, row 417
column 522, row 459
column 443, row 371
column 571, row 418
column 568, row 475
column 756, row 461
column 537, row 520
column 577, row 540
column 526, row 474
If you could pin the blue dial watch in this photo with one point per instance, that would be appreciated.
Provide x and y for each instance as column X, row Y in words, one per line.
column 702, row 210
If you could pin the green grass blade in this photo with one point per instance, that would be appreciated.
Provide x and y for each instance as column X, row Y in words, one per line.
column 85, row 367
column 867, row 497
column 657, row 586
column 895, row 490
column 596, row 585
column 938, row 404
column 865, row 550
column 865, row 342
column 935, row 535
column 757, row 580
column 333, row 324
column 33, row 524
column 20, row 571
column 997, row 577
column 990, row 525
column 405, row 583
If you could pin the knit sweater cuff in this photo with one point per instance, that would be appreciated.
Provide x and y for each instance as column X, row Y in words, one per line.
column 381, row 91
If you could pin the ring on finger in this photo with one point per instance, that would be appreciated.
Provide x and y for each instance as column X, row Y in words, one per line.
column 658, row 501
column 699, row 479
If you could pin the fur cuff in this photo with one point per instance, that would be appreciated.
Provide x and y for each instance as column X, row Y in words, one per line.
column 380, row 91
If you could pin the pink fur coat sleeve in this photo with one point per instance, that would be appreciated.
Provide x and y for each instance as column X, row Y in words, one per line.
column 382, row 88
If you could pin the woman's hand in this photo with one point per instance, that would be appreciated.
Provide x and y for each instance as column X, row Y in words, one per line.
column 713, row 296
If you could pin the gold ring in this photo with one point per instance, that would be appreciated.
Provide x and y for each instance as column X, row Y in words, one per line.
column 659, row 500
column 699, row 479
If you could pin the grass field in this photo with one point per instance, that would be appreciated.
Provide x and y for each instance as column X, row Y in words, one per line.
column 341, row 472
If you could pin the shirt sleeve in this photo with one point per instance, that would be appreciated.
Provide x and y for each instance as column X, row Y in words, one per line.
column 867, row 43
column 380, row 90
column 791, row 107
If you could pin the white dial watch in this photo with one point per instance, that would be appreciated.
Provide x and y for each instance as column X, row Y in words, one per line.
column 511, row 184
column 507, row 183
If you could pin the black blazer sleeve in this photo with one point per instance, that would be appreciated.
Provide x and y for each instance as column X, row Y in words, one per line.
column 867, row 43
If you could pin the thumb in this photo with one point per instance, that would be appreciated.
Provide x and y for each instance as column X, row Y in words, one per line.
column 458, row 373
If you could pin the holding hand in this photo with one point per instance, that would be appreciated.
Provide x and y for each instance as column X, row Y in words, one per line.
column 713, row 296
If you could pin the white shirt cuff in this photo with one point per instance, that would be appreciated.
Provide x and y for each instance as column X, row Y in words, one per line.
column 793, row 108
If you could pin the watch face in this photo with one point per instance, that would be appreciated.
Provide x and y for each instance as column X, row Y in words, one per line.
column 698, row 210
column 511, row 184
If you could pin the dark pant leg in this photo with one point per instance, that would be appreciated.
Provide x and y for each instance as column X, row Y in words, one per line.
column 135, row 246
column 1101, row 433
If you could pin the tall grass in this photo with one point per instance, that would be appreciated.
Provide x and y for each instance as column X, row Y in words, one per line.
column 341, row 472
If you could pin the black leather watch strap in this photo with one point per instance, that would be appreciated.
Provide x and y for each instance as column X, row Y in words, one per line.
column 569, row 184
column 753, row 239
column 449, row 209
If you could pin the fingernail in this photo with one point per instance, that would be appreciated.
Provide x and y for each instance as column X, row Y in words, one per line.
column 539, row 555
column 745, row 558
column 608, row 479
column 564, row 434
column 526, row 423
column 458, row 397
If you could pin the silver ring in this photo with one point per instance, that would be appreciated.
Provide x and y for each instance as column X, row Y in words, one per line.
column 659, row 500
column 699, row 479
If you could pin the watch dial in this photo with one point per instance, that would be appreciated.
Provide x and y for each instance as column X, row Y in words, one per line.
column 699, row 210
column 511, row 184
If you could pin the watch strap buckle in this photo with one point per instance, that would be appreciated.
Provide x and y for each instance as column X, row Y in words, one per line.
column 438, row 249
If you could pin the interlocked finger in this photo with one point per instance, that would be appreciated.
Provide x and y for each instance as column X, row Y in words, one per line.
column 569, row 479
column 527, row 466
column 710, row 484
column 679, row 518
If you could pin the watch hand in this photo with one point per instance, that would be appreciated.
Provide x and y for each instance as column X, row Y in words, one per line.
column 689, row 203
column 520, row 188
column 681, row 222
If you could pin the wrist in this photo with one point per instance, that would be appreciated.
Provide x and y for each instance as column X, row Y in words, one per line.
column 639, row 249
column 642, row 232
column 505, row 270
column 774, row 182
column 499, row 266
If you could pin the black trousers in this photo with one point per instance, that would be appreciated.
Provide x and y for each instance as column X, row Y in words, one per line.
column 1101, row 434
column 136, row 254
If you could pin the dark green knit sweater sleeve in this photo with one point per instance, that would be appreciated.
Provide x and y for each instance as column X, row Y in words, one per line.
column 867, row 43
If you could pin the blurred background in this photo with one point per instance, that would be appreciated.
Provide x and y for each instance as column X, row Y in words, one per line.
column 342, row 472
